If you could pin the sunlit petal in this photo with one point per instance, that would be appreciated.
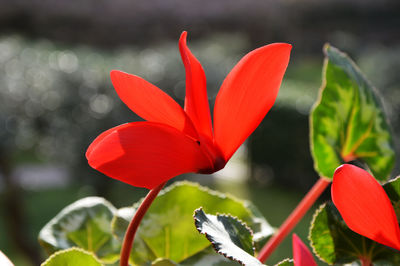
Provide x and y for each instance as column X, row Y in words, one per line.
column 196, row 100
column 145, row 154
column 301, row 254
column 151, row 103
column 364, row 205
column 247, row 94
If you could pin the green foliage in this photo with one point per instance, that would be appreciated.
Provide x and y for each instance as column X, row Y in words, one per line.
column 163, row 262
column 228, row 235
column 140, row 253
column 348, row 121
column 286, row 262
column 84, row 224
column 392, row 189
column 166, row 234
column 72, row 257
column 208, row 257
column 261, row 229
column 333, row 242
column 167, row 230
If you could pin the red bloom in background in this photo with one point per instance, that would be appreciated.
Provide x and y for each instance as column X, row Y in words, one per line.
column 301, row 254
column 173, row 140
column 365, row 206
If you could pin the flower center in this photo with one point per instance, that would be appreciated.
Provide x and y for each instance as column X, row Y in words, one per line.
column 214, row 154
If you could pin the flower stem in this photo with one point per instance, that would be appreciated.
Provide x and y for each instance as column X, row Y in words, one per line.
column 294, row 218
column 365, row 261
column 134, row 224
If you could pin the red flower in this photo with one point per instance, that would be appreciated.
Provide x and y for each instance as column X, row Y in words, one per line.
column 365, row 206
column 173, row 140
column 301, row 255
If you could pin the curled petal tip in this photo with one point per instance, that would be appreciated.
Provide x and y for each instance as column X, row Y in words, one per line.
column 94, row 144
column 183, row 37
column 114, row 73
column 282, row 45
column 287, row 45
column 340, row 168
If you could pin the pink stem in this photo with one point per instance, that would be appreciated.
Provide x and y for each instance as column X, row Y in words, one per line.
column 134, row 224
column 293, row 218
column 365, row 261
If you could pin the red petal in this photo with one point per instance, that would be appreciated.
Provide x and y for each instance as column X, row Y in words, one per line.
column 151, row 103
column 196, row 101
column 247, row 94
column 145, row 154
column 301, row 255
column 364, row 205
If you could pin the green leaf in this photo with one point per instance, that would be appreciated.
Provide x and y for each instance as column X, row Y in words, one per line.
column 140, row 253
column 207, row 257
column 334, row 243
column 72, row 257
column 163, row 262
column 228, row 235
column 167, row 229
column 120, row 221
column 262, row 230
column 86, row 224
column 348, row 122
column 285, row 262
column 392, row 189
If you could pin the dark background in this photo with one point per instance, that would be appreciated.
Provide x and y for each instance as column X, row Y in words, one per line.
column 56, row 96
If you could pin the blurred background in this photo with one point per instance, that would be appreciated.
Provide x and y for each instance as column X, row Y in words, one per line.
column 56, row 95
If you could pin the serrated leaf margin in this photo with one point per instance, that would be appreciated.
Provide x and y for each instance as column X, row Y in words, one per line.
column 68, row 250
column 316, row 213
column 196, row 222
